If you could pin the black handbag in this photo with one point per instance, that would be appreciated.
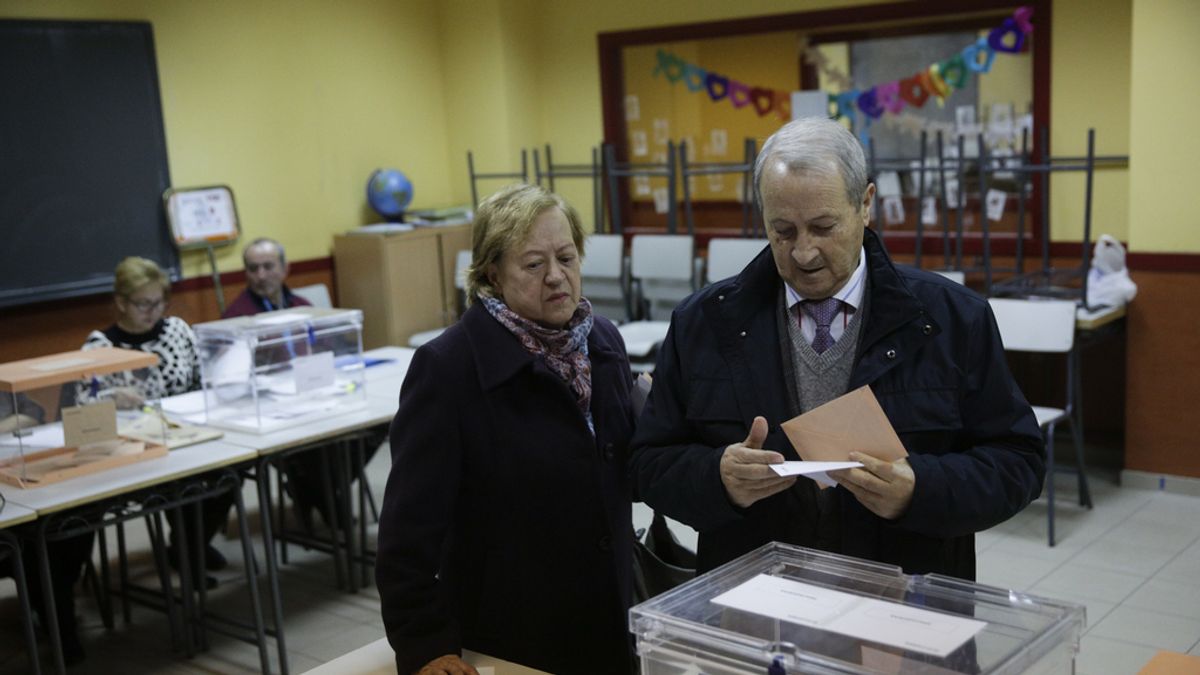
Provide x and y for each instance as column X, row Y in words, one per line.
column 660, row 562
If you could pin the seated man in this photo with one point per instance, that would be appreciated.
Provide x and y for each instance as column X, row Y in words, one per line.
column 822, row 311
column 266, row 269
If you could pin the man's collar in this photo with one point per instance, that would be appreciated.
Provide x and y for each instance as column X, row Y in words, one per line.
column 267, row 305
column 851, row 293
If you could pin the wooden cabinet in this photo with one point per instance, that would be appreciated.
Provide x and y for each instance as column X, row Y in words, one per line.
column 403, row 282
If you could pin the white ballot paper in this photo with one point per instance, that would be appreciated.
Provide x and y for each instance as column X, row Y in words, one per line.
column 814, row 470
column 890, row 623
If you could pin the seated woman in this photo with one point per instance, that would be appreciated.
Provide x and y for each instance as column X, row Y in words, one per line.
column 506, row 525
column 141, row 291
column 67, row 556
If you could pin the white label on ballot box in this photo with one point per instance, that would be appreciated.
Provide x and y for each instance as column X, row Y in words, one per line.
column 92, row 423
column 881, row 621
column 313, row 371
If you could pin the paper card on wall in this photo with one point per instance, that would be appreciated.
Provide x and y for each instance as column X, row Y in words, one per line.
column 964, row 118
column 633, row 108
column 1002, row 158
column 1000, row 121
column 314, row 371
column 929, row 214
column 690, row 141
column 893, row 210
column 887, row 184
column 641, row 186
column 739, row 191
column 691, row 184
column 718, row 142
column 995, row 204
column 662, row 131
column 1024, row 123
column 638, row 140
column 86, row 424
column 661, row 201
column 951, row 192
column 659, row 157
column 716, row 182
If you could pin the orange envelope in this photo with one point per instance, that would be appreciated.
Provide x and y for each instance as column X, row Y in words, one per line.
column 851, row 422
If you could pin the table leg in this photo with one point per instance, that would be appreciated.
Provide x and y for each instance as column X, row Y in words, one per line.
column 123, row 569
column 9, row 540
column 262, row 478
column 252, row 583
column 49, row 613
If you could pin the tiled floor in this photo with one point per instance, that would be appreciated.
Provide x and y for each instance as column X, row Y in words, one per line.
column 1134, row 561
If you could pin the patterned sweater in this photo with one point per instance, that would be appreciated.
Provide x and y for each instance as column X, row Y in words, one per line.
column 172, row 340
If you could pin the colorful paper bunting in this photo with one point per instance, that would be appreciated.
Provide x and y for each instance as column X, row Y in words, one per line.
column 939, row 80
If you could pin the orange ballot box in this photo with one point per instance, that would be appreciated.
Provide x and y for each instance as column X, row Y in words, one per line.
column 59, row 415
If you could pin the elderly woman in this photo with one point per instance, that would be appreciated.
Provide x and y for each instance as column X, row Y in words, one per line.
column 141, row 292
column 506, row 523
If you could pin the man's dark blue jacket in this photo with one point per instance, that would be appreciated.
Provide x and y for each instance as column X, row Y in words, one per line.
column 930, row 351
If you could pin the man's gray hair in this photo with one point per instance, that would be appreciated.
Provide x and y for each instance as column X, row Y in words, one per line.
column 811, row 143
column 266, row 240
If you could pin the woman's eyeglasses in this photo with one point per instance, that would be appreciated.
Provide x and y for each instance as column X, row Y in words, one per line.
column 147, row 305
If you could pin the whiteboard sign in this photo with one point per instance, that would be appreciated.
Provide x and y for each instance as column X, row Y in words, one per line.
column 201, row 216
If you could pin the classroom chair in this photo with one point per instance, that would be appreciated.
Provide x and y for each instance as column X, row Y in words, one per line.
column 1047, row 327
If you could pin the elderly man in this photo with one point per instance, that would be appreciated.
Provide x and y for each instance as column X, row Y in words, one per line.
column 266, row 268
column 822, row 311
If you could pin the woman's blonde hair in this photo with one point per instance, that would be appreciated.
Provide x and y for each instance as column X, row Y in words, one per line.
column 133, row 272
column 503, row 221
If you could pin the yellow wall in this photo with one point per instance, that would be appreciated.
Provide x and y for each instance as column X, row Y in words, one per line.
column 1165, row 95
column 293, row 105
column 1090, row 87
column 491, row 84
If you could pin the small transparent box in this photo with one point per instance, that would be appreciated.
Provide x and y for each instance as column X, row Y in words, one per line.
column 787, row 609
column 277, row 369
column 76, row 413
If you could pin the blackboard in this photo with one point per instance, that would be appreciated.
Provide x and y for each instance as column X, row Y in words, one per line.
column 83, row 157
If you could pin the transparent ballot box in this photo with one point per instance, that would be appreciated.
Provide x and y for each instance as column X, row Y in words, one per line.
column 76, row 413
column 277, row 369
column 786, row 609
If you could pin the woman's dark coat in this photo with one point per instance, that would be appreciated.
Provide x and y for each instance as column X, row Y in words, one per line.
column 506, row 526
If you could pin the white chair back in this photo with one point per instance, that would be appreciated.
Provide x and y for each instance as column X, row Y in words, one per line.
column 1045, row 326
column 662, row 257
column 728, row 257
column 663, row 265
column 461, row 262
column 317, row 295
column 604, row 257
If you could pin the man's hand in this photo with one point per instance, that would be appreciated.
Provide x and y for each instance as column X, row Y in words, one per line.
column 449, row 664
column 885, row 488
column 745, row 469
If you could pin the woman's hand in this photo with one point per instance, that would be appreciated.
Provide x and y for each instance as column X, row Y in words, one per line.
column 449, row 664
column 126, row 398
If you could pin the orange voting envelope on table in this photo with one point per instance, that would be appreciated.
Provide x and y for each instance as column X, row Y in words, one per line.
column 848, row 423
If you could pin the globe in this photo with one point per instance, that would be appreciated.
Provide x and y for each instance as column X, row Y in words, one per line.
column 389, row 192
